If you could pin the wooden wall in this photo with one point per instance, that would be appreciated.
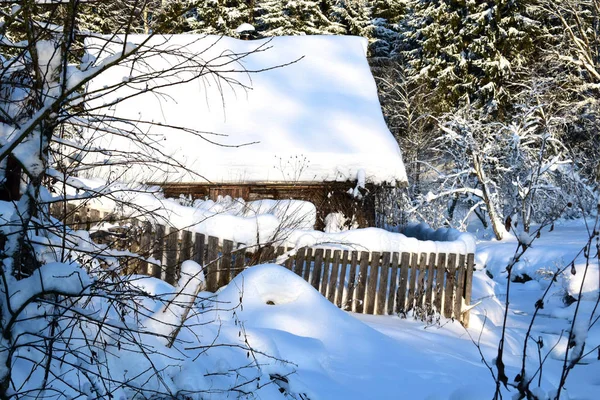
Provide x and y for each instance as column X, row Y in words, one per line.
column 327, row 197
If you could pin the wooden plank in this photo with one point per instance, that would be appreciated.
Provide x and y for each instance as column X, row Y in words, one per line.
column 350, row 304
column 414, row 265
column 240, row 261
column 308, row 259
column 86, row 219
column 449, row 289
column 299, row 261
column 341, row 284
column 380, row 308
column 212, row 264
column 420, row 294
column 289, row 262
column 332, row 285
column 359, row 293
column 371, row 291
column 145, row 247
column 185, row 252
column 439, row 283
column 70, row 217
column 131, row 263
column 468, row 287
column 95, row 217
column 225, row 273
column 315, row 276
column 279, row 252
column 402, row 287
column 324, row 277
column 393, row 290
column 157, row 251
column 171, row 256
column 199, row 247
column 428, row 303
column 270, row 254
column 460, row 286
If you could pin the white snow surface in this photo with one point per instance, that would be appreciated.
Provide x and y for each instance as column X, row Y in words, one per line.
column 324, row 352
column 316, row 119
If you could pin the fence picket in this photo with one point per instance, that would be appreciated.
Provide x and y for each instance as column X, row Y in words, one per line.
column 331, row 285
column 240, row 260
column 404, row 265
column 392, row 296
column 157, row 250
column 324, row 277
column 315, row 275
column 439, row 283
column 372, row 283
column 421, row 284
column 289, row 262
column 352, row 283
column 308, row 259
column 414, row 263
column 363, row 271
column 383, row 290
column 199, row 248
column 212, row 264
column 460, row 286
column 171, row 256
column 449, row 289
column 429, row 285
column 185, row 252
column 468, row 287
column 341, row 284
column 299, row 261
column 225, row 273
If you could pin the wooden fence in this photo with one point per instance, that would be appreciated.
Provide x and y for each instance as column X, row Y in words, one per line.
column 363, row 282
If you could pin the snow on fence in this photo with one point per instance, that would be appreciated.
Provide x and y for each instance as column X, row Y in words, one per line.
column 378, row 283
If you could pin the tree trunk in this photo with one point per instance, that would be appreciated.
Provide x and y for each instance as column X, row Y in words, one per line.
column 496, row 222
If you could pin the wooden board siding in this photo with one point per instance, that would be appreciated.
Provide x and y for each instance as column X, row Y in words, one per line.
column 327, row 197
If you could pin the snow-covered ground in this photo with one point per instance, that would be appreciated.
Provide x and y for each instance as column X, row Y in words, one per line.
column 326, row 353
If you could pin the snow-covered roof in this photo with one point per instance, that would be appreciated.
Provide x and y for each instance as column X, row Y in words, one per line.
column 316, row 119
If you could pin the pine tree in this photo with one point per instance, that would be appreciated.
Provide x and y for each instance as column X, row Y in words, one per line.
column 469, row 51
column 354, row 16
column 300, row 17
column 386, row 18
column 224, row 16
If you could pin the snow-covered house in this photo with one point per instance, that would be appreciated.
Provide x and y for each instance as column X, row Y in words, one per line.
column 287, row 117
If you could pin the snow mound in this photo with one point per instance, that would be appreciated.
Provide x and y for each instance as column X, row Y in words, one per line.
column 376, row 239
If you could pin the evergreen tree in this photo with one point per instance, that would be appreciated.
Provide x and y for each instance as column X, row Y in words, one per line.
column 386, row 18
column 354, row 16
column 276, row 18
column 469, row 51
column 224, row 16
